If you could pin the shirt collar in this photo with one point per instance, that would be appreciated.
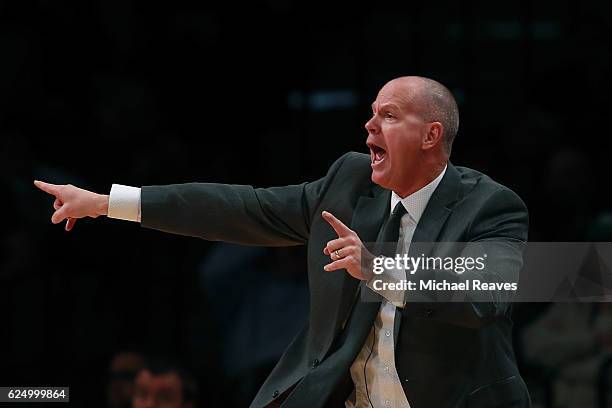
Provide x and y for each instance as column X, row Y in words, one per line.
column 416, row 202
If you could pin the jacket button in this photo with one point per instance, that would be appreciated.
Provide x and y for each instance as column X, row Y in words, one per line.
column 275, row 394
column 315, row 362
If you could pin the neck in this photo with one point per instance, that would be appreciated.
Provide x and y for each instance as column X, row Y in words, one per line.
column 428, row 174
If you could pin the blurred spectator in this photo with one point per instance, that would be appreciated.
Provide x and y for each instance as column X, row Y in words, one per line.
column 164, row 384
column 259, row 301
column 573, row 341
column 121, row 374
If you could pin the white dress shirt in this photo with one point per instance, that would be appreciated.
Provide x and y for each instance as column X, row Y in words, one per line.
column 373, row 372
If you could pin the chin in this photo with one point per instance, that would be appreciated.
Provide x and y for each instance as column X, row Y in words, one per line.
column 379, row 179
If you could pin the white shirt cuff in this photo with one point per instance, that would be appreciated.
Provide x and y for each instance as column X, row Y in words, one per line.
column 124, row 203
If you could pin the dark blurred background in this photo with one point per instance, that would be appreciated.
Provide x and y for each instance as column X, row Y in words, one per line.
column 270, row 93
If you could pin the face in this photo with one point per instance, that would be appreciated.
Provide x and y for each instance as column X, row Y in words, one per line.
column 397, row 138
column 157, row 391
column 122, row 372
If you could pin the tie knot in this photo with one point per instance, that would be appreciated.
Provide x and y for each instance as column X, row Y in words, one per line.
column 399, row 210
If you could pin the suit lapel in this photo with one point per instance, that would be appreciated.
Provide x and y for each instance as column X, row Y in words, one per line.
column 368, row 216
column 438, row 208
column 370, row 212
column 433, row 219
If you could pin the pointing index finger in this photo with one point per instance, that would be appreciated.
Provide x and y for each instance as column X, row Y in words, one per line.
column 341, row 229
column 46, row 187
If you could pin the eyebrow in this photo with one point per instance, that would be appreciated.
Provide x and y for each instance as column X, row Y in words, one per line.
column 387, row 105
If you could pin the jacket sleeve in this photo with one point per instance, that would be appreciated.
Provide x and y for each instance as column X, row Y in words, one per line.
column 502, row 234
column 499, row 230
column 241, row 214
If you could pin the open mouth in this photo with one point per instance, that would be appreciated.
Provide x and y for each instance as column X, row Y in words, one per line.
column 377, row 154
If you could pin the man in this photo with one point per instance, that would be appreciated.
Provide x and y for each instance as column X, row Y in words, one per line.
column 162, row 384
column 390, row 352
column 121, row 374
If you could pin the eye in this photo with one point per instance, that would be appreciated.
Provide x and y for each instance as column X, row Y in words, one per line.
column 389, row 115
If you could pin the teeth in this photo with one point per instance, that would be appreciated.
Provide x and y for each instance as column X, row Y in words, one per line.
column 377, row 155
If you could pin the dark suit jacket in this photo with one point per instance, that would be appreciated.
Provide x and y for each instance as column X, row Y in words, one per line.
column 447, row 354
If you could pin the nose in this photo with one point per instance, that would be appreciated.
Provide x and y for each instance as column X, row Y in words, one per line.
column 371, row 125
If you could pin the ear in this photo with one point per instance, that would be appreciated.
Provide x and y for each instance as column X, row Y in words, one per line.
column 433, row 135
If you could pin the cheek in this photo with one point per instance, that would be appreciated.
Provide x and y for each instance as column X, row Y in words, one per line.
column 399, row 147
column 404, row 142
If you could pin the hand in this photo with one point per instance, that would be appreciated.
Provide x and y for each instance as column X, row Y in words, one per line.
column 72, row 202
column 347, row 251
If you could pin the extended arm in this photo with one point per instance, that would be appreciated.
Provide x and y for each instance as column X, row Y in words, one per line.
column 277, row 216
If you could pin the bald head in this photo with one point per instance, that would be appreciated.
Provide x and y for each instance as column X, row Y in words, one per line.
column 434, row 102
